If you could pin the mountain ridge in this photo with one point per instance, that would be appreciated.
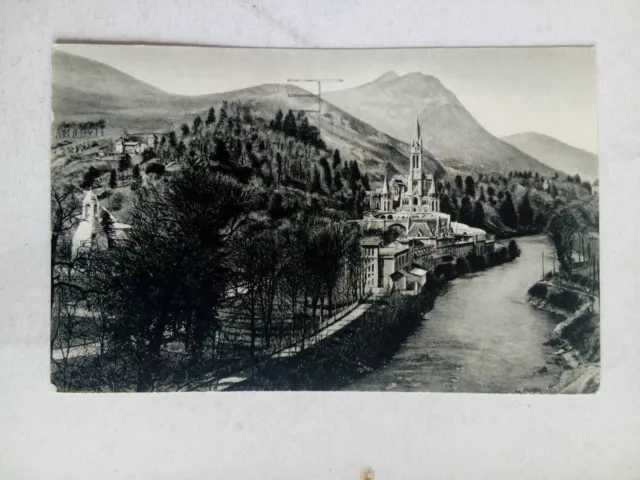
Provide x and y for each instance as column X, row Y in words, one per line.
column 556, row 153
column 450, row 131
column 126, row 102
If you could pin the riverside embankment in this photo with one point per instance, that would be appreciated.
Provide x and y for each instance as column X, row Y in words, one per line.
column 357, row 356
column 482, row 335
column 577, row 335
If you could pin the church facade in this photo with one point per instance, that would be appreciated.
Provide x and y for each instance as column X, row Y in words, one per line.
column 415, row 194
column 410, row 203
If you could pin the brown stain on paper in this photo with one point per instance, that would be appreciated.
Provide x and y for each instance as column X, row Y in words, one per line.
column 367, row 473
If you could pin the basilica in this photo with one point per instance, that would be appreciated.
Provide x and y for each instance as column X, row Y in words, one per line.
column 409, row 203
column 414, row 194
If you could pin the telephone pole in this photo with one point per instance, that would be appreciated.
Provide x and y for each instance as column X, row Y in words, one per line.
column 319, row 81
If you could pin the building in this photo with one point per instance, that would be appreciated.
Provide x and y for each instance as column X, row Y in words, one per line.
column 90, row 230
column 411, row 206
column 133, row 145
column 416, row 195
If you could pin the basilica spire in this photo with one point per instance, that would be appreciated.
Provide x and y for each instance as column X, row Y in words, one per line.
column 385, row 184
column 417, row 136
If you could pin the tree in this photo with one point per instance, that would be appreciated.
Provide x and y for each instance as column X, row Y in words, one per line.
column 508, row 212
column 173, row 139
column 211, row 117
column 124, row 163
column 336, row 159
column 303, row 131
column 107, row 227
column 136, row 177
column 279, row 164
column 65, row 210
column 185, row 129
column 466, row 211
column 458, row 182
column 478, row 215
column 365, row 182
column 525, row 211
column 562, row 230
column 155, row 168
column 275, row 209
column 112, row 179
column 500, row 195
column 482, row 198
column 454, row 207
column 277, row 123
column 470, row 187
column 223, row 116
column 197, row 125
column 89, row 178
column 148, row 154
column 326, row 174
column 316, row 185
column 181, row 150
column 491, row 192
column 156, row 284
column 337, row 181
column 513, row 250
column 445, row 204
column 289, row 125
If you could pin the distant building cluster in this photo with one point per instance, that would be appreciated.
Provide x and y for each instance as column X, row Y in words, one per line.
column 135, row 144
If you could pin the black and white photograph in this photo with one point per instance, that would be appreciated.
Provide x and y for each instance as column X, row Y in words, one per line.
column 386, row 220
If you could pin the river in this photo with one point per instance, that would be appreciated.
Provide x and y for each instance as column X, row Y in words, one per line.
column 480, row 336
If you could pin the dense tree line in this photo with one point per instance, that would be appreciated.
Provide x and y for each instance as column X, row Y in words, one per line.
column 469, row 197
column 91, row 128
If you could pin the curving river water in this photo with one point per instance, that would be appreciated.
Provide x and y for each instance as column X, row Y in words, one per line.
column 480, row 336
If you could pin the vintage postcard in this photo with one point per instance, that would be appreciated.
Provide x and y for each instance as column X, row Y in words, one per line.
column 229, row 219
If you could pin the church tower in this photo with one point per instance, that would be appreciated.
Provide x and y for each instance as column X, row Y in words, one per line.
column 87, row 228
column 415, row 182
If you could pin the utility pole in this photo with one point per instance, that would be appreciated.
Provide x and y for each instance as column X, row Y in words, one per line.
column 319, row 81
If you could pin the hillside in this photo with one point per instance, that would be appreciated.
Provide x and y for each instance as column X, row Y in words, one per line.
column 556, row 154
column 391, row 103
column 84, row 89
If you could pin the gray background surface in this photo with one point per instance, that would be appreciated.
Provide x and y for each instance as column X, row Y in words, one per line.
column 310, row 435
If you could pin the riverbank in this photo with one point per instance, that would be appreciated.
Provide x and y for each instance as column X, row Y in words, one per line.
column 369, row 342
column 576, row 337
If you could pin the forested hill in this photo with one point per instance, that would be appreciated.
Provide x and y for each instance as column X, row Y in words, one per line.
column 84, row 89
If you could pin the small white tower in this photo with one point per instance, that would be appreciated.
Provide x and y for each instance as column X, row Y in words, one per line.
column 87, row 227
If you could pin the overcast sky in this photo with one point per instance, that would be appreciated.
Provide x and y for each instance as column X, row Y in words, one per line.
column 508, row 90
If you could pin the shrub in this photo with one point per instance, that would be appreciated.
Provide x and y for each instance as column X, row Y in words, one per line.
column 156, row 168
column 514, row 250
column 116, row 201
column 461, row 266
column 538, row 290
column 566, row 300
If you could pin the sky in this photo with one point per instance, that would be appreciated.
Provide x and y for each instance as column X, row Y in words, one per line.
column 549, row 90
